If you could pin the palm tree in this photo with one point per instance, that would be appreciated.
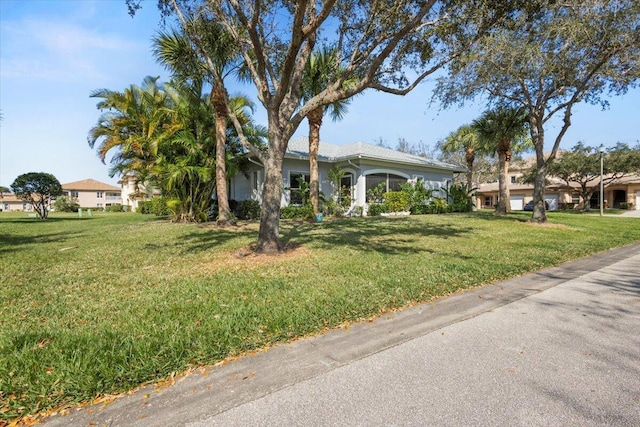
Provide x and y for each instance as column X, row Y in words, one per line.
column 465, row 138
column 499, row 129
column 322, row 67
column 175, row 51
column 133, row 122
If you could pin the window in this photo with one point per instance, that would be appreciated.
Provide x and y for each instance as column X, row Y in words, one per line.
column 575, row 198
column 391, row 182
column 74, row 194
column 255, row 181
column 6, row 206
column 488, row 201
column 99, row 205
column 513, row 179
column 299, row 188
column 99, row 194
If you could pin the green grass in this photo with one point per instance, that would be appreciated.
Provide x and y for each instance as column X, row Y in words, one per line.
column 100, row 305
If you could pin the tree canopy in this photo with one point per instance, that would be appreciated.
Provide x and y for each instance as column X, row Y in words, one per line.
column 38, row 189
column 546, row 59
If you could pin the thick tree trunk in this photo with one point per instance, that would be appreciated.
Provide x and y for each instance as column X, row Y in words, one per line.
column 268, row 236
column 315, row 122
column 539, row 182
column 220, row 109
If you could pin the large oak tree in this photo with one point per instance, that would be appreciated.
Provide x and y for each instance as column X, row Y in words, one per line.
column 551, row 57
column 389, row 46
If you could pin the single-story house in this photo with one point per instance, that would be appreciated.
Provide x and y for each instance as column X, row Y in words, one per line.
column 364, row 165
column 90, row 193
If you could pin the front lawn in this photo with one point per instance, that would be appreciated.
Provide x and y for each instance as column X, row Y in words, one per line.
column 100, row 305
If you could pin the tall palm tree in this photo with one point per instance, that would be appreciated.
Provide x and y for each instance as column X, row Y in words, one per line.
column 465, row 138
column 321, row 68
column 175, row 51
column 500, row 129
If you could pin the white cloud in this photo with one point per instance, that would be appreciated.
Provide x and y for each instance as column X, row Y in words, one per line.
column 59, row 51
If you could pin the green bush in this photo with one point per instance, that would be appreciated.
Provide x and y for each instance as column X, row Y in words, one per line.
column 439, row 205
column 248, row 209
column 625, row 205
column 114, row 208
column 419, row 209
column 64, row 204
column 297, row 212
column 159, row 206
column 396, row 201
column 375, row 209
column 144, row 207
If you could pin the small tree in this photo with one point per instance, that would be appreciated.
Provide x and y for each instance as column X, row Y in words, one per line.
column 38, row 189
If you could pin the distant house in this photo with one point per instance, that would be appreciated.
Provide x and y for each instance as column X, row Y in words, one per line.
column 133, row 193
column 90, row 193
column 558, row 194
column 364, row 165
column 10, row 203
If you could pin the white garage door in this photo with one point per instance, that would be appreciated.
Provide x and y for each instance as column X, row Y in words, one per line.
column 638, row 201
column 517, row 203
column 552, row 200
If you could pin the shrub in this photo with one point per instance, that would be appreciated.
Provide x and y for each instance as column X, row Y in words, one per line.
column 375, row 209
column 144, row 207
column 248, row 209
column 64, row 204
column 297, row 212
column 419, row 196
column 114, row 208
column 159, row 206
column 625, row 205
column 439, row 205
column 396, row 201
column 419, row 209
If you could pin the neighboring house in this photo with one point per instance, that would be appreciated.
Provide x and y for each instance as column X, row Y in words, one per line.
column 132, row 194
column 558, row 194
column 364, row 166
column 10, row 203
column 90, row 193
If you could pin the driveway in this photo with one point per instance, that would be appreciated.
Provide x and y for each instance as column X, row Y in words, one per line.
column 559, row 347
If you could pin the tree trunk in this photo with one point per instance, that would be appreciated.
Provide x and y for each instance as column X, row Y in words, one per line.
column 268, row 236
column 470, row 157
column 501, row 209
column 540, row 178
column 220, row 111
column 539, row 182
column 315, row 122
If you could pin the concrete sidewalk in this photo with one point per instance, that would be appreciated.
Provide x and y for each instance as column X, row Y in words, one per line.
column 556, row 347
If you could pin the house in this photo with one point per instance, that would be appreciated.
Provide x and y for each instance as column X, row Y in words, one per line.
column 364, row 165
column 10, row 203
column 90, row 193
column 133, row 193
column 558, row 194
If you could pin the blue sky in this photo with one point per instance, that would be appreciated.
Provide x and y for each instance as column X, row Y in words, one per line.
column 54, row 53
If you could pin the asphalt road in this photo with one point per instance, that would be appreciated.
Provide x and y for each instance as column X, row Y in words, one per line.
column 560, row 347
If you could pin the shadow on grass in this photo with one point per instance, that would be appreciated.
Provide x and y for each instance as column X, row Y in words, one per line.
column 10, row 243
column 383, row 235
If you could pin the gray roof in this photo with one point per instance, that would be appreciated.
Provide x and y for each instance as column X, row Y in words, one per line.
column 299, row 148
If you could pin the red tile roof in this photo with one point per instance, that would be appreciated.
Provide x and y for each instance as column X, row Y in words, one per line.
column 89, row 185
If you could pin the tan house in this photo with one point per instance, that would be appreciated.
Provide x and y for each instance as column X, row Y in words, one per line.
column 10, row 203
column 558, row 194
column 90, row 193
